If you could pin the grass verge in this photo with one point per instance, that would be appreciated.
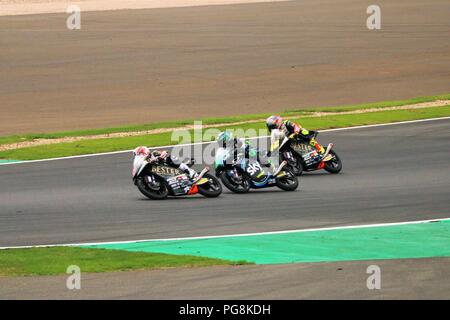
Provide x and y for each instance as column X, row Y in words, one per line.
column 212, row 121
column 152, row 140
column 376, row 105
column 55, row 260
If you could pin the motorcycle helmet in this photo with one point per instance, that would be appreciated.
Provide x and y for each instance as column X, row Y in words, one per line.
column 225, row 139
column 274, row 122
column 141, row 150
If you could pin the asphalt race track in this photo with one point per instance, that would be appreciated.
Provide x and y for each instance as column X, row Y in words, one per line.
column 391, row 174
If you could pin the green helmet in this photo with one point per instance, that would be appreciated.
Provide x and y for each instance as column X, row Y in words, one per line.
column 225, row 139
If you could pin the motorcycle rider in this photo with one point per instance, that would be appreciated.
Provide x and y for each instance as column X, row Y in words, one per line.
column 226, row 140
column 164, row 157
column 286, row 128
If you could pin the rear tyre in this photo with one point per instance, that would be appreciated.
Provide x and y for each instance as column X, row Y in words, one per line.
column 157, row 191
column 334, row 165
column 234, row 187
column 210, row 189
column 289, row 182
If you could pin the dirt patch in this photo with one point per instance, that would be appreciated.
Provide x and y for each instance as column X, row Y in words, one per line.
column 21, row 7
column 127, row 67
column 38, row 142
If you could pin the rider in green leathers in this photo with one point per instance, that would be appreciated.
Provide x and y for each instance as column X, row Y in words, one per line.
column 238, row 146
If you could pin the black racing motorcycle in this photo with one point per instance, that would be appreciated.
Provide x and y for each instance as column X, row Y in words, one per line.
column 301, row 156
column 158, row 181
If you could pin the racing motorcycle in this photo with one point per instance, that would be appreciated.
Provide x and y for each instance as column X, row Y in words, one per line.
column 157, row 180
column 301, row 156
column 241, row 174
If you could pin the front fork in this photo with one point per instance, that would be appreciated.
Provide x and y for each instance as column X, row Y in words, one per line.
column 235, row 176
column 152, row 182
column 292, row 161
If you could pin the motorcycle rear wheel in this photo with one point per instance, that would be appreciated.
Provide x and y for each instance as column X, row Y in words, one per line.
column 210, row 189
column 236, row 188
column 334, row 165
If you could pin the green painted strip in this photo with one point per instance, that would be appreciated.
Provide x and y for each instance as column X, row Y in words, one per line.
column 419, row 240
column 9, row 161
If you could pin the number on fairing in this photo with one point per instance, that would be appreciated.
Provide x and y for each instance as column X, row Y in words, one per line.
column 254, row 168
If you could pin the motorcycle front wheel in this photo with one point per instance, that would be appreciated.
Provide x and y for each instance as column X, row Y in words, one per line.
column 155, row 191
column 210, row 189
column 243, row 187
column 294, row 163
column 297, row 169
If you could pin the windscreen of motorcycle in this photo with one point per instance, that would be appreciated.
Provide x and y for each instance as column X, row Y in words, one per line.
column 139, row 163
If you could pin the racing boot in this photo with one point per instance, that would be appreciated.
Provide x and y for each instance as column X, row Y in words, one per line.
column 192, row 174
column 317, row 146
column 272, row 166
column 320, row 150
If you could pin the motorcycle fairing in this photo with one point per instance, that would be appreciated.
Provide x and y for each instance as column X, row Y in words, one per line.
column 221, row 156
column 164, row 170
column 139, row 163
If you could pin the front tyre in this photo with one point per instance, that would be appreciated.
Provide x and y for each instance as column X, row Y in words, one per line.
column 297, row 168
column 243, row 187
column 294, row 163
column 156, row 190
column 210, row 189
column 334, row 165
column 289, row 182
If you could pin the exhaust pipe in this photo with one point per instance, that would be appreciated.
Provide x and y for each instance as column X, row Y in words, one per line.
column 202, row 173
column 279, row 168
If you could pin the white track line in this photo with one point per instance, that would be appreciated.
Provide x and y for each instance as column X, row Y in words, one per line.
column 208, row 142
column 231, row 235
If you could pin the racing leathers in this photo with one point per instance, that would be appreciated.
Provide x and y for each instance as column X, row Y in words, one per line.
column 164, row 157
column 240, row 146
column 289, row 128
